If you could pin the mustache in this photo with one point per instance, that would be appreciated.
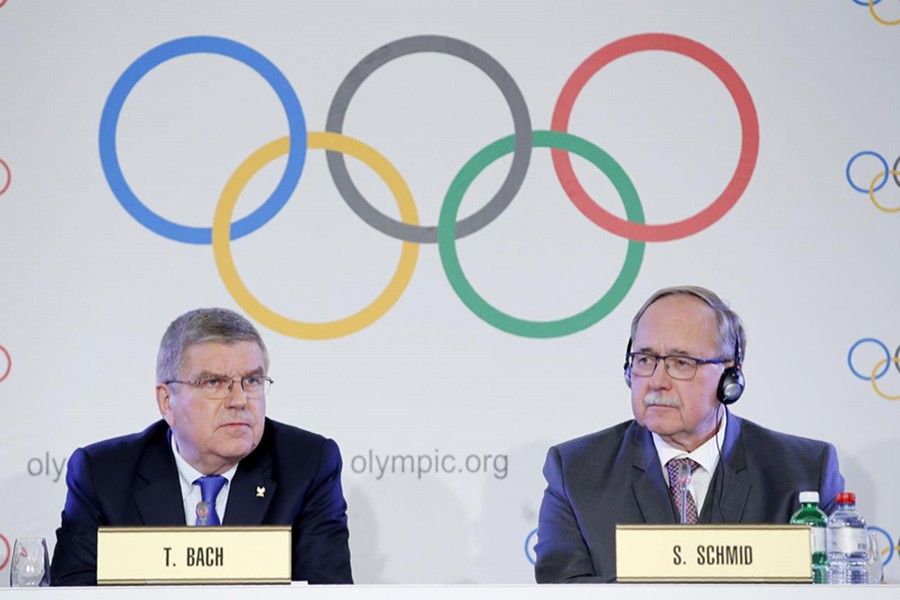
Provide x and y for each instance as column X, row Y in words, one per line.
column 661, row 399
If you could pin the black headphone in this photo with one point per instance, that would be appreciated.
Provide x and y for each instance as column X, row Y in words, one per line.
column 731, row 383
column 628, row 364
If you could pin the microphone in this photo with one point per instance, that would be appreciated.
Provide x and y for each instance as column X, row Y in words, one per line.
column 684, row 480
column 202, row 513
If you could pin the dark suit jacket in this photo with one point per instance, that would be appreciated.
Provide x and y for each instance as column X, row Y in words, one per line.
column 133, row 480
column 615, row 477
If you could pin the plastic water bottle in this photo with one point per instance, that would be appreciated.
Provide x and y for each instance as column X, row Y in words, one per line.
column 847, row 542
column 810, row 514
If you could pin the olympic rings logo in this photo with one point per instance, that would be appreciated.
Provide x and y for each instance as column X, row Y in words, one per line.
column 8, row 177
column 408, row 230
column 887, row 550
column 879, row 368
column 871, row 5
column 878, row 181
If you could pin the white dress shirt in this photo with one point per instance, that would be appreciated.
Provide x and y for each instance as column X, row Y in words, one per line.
column 190, row 492
column 707, row 456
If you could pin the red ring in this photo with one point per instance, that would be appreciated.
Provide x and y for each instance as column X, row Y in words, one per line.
column 749, row 131
column 5, row 166
column 3, row 537
column 8, row 367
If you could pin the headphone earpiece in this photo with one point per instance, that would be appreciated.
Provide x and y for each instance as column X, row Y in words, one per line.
column 731, row 384
column 627, row 367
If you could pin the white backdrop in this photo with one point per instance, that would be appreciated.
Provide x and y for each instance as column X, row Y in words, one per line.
column 86, row 289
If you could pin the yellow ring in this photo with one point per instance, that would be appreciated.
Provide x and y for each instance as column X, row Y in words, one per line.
column 221, row 237
column 872, row 192
column 877, row 18
column 880, row 364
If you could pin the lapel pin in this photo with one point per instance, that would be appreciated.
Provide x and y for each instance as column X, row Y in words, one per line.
column 260, row 491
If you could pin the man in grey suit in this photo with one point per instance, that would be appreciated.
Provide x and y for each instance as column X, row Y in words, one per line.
column 683, row 365
column 213, row 458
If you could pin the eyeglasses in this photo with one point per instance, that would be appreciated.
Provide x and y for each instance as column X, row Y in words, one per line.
column 218, row 387
column 677, row 366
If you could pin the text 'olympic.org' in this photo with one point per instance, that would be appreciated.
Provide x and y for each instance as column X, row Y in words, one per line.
column 437, row 463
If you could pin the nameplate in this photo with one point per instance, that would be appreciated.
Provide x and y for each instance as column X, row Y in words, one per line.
column 713, row 553
column 187, row 555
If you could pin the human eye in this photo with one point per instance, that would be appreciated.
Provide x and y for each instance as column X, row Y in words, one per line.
column 253, row 381
column 643, row 360
column 643, row 364
column 213, row 382
column 682, row 364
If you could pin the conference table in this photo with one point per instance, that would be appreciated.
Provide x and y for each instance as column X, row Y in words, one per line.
column 472, row 592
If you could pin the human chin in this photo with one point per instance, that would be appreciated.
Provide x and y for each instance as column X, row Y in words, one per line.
column 235, row 447
column 663, row 420
column 236, row 435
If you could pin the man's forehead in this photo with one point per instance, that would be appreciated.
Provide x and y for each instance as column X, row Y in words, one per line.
column 242, row 354
column 676, row 325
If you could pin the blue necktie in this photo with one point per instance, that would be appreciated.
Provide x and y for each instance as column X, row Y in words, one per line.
column 210, row 486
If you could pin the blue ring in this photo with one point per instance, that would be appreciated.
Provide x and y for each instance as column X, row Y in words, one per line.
column 865, row 2
column 528, row 539
column 890, row 543
column 886, row 352
column 864, row 153
column 212, row 45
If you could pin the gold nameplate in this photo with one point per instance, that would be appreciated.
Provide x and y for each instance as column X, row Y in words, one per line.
column 184, row 555
column 720, row 553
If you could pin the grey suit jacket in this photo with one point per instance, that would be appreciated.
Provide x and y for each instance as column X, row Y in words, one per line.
column 615, row 477
column 133, row 480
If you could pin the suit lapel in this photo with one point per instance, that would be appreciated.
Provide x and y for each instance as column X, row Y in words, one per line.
column 648, row 485
column 157, row 493
column 730, row 486
column 252, row 487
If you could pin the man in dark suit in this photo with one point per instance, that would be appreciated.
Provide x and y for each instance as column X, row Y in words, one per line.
column 683, row 365
column 211, row 393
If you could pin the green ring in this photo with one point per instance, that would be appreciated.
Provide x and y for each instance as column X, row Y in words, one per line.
column 477, row 304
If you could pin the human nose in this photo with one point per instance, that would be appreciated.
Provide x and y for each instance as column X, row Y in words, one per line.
column 236, row 395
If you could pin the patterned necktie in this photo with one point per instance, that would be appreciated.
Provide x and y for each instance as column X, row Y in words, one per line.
column 674, row 466
column 210, row 486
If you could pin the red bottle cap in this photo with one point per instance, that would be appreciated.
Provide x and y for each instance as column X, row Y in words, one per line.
column 846, row 498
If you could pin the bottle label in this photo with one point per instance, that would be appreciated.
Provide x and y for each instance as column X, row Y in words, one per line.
column 817, row 539
column 847, row 540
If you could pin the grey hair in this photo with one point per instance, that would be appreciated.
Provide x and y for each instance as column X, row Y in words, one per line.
column 729, row 327
column 198, row 326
